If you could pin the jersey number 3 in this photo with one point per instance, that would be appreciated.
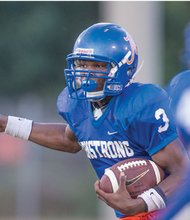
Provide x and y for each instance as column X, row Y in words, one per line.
column 160, row 113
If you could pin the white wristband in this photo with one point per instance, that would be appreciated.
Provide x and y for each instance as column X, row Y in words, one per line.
column 154, row 199
column 18, row 127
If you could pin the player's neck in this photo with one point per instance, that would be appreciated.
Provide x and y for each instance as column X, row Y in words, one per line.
column 102, row 103
column 99, row 107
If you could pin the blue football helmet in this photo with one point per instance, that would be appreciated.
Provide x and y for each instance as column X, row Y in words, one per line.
column 102, row 42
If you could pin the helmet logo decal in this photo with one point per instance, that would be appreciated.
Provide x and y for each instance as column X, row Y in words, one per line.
column 84, row 51
column 133, row 49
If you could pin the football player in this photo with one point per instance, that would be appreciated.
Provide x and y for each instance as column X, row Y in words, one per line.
column 179, row 92
column 111, row 118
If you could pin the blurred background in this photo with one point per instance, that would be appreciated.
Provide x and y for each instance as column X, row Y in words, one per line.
column 35, row 37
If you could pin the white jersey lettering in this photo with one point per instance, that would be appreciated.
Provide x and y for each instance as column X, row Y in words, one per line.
column 107, row 149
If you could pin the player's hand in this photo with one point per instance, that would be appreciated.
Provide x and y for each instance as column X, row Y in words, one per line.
column 121, row 199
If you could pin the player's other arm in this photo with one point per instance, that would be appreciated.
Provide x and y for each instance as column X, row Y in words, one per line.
column 57, row 136
column 172, row 158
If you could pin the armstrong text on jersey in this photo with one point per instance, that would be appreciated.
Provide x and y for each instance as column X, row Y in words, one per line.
column 107, row 149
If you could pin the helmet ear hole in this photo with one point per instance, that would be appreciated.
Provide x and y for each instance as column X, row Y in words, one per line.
column 129, row 72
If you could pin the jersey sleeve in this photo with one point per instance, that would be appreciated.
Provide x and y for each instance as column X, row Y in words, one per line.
column 72, row 110
column 63, row 103
column 149, row 123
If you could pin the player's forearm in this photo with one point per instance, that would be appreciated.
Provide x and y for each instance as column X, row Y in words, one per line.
column 172, row 182
column 179, row 162
column 132, row 207
column 52, row 136
column 48, row 135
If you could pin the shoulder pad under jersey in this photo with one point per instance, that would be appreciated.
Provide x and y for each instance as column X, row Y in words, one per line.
column 136, row 98
column 72, row 110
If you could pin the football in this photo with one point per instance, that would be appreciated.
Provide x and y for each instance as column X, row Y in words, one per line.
column 141, row 175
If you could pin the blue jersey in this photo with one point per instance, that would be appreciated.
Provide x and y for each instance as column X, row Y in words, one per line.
column 179, row 92
column 135, row 123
